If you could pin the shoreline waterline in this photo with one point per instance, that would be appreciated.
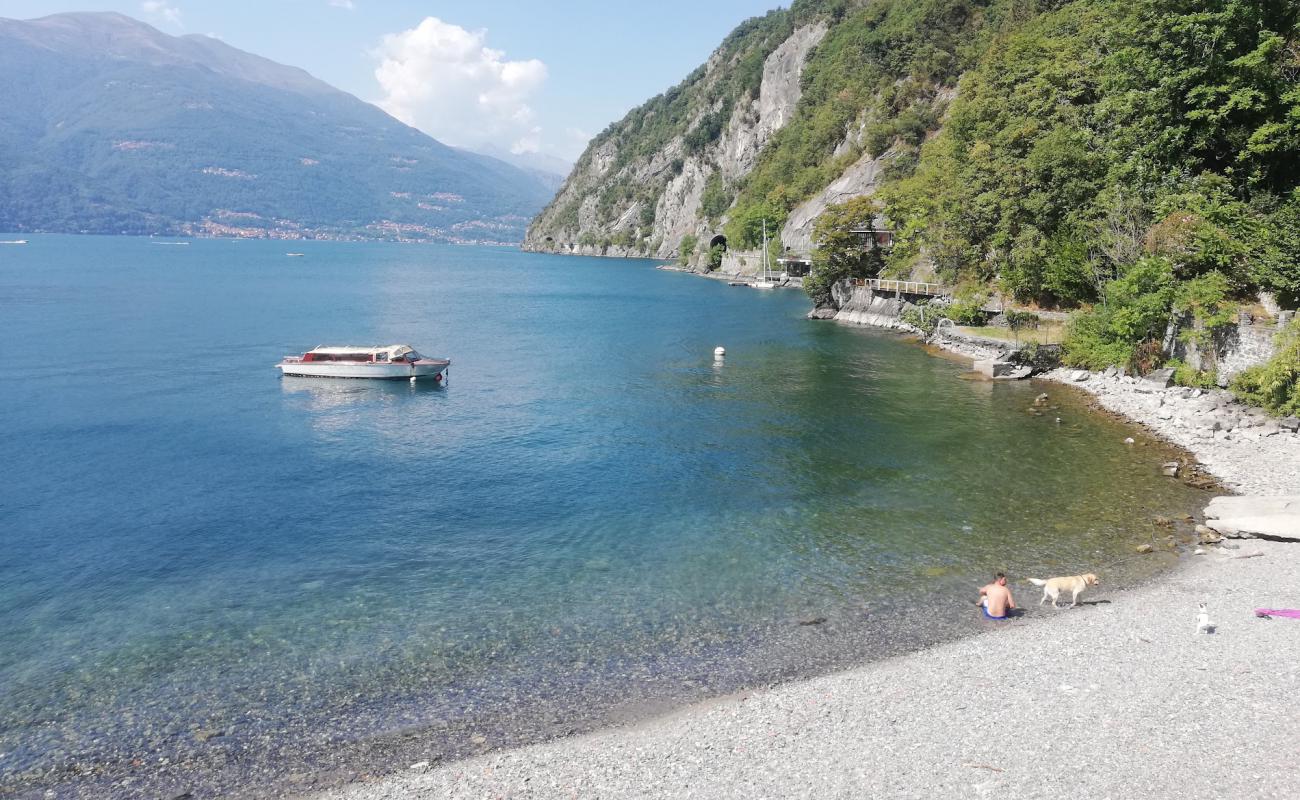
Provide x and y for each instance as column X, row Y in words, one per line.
column 1055, row 678
column 546, row 770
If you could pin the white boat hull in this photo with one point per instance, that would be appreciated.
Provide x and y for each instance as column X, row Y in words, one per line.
column 424, row 368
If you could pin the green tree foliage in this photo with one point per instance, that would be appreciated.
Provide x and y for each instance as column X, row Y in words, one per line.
column 745, row 230
column 1173, row 110
column 1136, row 312
column 839, row 252
column 716, row 252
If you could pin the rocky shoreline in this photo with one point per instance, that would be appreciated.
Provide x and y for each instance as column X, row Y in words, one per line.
column 1118, row 697
column 1246, row 449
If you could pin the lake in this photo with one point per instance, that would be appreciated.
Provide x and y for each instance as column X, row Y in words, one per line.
column 220, row 581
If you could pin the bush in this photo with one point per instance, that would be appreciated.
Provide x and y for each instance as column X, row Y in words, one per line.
column 1126, row 330
column 1021, row 320
column 687, row 248
column 968, row 308
column 921, row 317
column 1186, row 375
column 716, row 253
column 1274, row 386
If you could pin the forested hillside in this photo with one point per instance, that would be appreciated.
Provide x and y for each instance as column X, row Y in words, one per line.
column 1136, row 159
column 111, row 126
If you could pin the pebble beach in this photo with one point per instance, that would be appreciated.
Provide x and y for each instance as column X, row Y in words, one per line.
column 1121, row 696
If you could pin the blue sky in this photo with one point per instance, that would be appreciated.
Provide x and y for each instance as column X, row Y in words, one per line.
column 523, row 76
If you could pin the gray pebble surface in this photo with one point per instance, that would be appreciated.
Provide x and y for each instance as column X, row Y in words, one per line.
column 1118, row 698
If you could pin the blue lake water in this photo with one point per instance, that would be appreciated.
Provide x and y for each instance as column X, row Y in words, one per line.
column 220, row 581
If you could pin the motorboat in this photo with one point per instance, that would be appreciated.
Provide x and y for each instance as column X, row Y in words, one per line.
column 390, row 362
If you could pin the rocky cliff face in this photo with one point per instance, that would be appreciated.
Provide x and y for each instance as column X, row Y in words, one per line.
column 619, row 203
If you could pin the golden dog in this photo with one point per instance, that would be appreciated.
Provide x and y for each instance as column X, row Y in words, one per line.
column 1054, row 587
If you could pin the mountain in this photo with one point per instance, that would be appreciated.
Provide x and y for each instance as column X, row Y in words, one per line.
column 111, row 126
column 550, row 169
column 1132, row 160
column 1038, row 147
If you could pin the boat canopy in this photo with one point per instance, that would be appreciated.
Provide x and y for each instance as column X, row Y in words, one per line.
column 394, row 351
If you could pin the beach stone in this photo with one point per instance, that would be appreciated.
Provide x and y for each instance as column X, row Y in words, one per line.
column 1270, row 429
column 1289, row 424
column 1129, row 440
column 1170, row 469
column 1161, row 378
column 1080, row 375
column 419, row 766
column 1110, row 371
column 1240, row 517
column 1145, row 548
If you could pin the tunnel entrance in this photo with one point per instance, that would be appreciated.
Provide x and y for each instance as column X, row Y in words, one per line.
column 718, row 240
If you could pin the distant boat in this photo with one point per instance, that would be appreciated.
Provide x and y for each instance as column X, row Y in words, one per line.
column 15, row 241
column 295, row 255
column 177, row 244
column 765, row 282
column 392, row 362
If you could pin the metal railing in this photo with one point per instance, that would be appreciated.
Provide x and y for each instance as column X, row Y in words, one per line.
column 905, row 287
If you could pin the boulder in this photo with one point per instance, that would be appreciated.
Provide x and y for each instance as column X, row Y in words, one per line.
column 1080, row 375
column 1161, row 378
column 1289, row 424
column 1170, row 468
column 994, row 368
column 1243, row 517
column 1110, row 372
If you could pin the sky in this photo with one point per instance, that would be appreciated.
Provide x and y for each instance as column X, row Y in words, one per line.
column 526, row 76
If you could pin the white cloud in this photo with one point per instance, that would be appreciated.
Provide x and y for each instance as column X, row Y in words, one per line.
column 447, row 82
column 347, row 4
column 159, row 9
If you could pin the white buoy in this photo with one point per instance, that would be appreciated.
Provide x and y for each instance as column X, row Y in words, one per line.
column 412, row 379
column 719, row 352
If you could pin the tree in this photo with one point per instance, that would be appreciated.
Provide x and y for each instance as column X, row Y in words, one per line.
column 840, row 253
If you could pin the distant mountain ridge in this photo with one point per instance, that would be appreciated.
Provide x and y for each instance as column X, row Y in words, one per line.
column 112, row 126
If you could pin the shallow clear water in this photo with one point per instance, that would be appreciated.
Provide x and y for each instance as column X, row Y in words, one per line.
column 217, row 580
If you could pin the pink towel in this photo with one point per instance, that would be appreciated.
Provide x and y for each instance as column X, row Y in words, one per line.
column 1293, row 613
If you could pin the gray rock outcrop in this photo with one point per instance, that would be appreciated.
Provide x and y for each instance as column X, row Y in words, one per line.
column 575, row 221
column 1246, row 517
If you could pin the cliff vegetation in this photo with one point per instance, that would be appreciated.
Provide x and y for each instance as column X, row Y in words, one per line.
column 1132, row 159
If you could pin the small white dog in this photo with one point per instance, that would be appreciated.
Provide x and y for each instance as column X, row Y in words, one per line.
column 1203, row 624
column 1075, row 584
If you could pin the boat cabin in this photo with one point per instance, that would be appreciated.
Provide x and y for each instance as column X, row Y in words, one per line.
column 362, row 355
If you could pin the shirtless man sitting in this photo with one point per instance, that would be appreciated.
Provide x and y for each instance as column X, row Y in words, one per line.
column 995, row 598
